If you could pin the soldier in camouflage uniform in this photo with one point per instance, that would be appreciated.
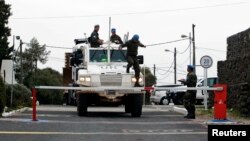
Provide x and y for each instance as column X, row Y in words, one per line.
column 132, row 51
column 189, row 98
column 115, row 38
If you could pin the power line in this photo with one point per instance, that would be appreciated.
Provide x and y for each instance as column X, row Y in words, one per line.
column 166, row 42
column 185, row 50
column 58, row 47
column 211, row 49
column 167, row 74
column 136, row 13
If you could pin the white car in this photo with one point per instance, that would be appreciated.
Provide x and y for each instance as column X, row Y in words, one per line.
column 177, row 95
column 160, row 97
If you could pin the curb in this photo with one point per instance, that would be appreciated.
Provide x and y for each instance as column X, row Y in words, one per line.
column 8, row 114
column 180, row 110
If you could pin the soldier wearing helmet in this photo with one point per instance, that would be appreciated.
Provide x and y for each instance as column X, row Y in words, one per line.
column 132, row 51
column 115, row 38
column 189, row 98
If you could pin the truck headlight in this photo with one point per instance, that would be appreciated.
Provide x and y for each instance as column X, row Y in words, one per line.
column 134, row 79
column 84, row 79
column 87, row 79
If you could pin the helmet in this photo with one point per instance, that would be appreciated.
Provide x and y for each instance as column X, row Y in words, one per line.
column 113, row 30
column 191, row 67
column 135, row 37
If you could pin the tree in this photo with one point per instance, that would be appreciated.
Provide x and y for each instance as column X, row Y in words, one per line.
column 49, row 77
column 150, row 78
column 4, row 31
column 30, row 57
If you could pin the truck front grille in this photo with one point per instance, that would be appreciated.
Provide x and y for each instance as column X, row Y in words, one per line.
column 111, row 80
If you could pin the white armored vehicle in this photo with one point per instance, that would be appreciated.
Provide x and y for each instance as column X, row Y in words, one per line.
column 103, row 71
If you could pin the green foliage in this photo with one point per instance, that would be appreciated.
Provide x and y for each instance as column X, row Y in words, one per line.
column 21, row 96
column 2, row 95
column 31, row 55
column 49, row 77
column 150, row 78
column 4, row 31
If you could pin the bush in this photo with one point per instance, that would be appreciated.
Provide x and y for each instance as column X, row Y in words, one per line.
column 49, row 77
column 2, row 96
column 21, row 96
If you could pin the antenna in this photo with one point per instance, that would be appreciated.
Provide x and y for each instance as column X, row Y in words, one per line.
column 109, row 40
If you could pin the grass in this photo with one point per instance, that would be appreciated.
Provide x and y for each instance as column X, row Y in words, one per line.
column 232, row 114
column 205, row 115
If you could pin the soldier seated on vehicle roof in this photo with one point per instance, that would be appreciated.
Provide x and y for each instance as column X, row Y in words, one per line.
column 94, row 39
column 115, row 38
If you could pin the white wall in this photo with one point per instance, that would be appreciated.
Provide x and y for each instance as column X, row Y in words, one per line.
column 7, row 66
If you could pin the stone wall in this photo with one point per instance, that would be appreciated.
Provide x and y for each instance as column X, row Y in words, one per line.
column 235, row 71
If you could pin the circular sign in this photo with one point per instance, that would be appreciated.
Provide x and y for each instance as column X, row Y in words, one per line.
column 206, row 61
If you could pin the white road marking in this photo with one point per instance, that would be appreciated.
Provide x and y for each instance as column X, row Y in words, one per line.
column 100, row 122
column 61, row 115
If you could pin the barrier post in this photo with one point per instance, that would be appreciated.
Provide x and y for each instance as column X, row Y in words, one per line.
column 220, row 106
column 33, row 90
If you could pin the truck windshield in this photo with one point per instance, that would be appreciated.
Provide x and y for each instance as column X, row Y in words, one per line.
column 101, row 56
column 118, row 55
column 98, row 56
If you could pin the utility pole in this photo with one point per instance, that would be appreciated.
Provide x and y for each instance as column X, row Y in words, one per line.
column 154, row 70
column 193, row 39
column 175, row 72
column 21, row 60
column 12, row 74
column 190, row 48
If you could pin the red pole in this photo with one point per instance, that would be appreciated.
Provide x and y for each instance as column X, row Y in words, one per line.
column 34, row 104
column 220, row 103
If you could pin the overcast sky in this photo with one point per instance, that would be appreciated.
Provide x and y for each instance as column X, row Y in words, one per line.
column 59, row 22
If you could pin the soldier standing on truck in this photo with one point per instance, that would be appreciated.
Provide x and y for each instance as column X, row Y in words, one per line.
column 132, row 51
column 190, row 96
column 115, row 38
column 94, row 39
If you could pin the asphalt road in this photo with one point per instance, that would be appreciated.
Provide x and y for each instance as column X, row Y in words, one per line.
column 60, row 123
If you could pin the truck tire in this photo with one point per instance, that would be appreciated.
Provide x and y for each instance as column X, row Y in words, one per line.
column 68, row 99
column 136, row 105
column 82, row 105
column 128, row 104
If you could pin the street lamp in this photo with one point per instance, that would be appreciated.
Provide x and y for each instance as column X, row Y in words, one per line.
column 175, row 73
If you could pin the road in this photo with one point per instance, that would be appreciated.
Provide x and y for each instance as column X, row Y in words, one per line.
column 60, row 123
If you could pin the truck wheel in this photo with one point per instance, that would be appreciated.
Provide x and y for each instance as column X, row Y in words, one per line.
column 136, row 105
column 128, row 104
column 68, row 99
column 82, row 105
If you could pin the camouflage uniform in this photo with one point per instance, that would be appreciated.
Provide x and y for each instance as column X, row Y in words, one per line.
column 189, row 98
column 132, row 52
column 116, row 39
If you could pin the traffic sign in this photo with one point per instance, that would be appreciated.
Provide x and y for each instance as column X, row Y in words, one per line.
column 206, row 61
